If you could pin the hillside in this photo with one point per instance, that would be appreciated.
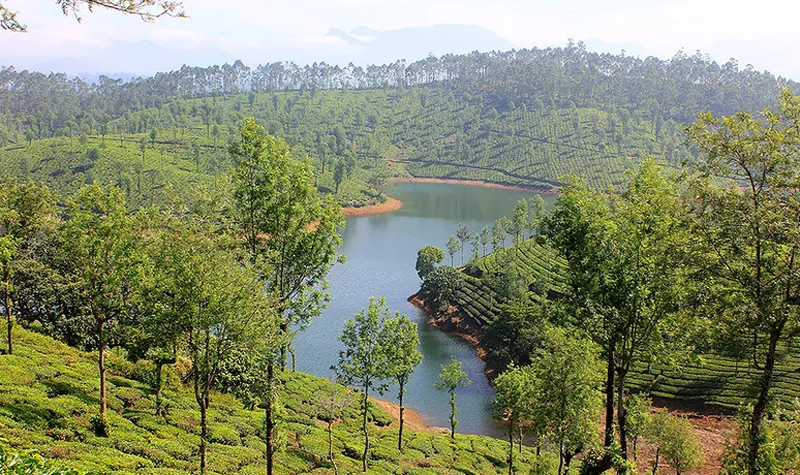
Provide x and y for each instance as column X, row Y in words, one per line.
column 424, row 132
column 48, row 395
column 723, row 382
column 526, row 117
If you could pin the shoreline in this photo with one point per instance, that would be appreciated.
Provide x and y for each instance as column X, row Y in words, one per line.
column 413, row 420
column 456, row 324
column 387, row 206
column 392, row 204
column 480, row 183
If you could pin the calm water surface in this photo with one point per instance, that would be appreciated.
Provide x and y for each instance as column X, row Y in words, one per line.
column 381, row 252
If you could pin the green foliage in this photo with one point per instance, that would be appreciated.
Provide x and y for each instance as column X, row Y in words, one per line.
column 749, row 232
column 514, row 402
column 675, row 440
column 28, row 463
column 514, row 336
column 427, row 258
column 440, row 287
column 451, row 378
column 779, row 448
column 285, row 222
column 565, row 375
column 637, row 419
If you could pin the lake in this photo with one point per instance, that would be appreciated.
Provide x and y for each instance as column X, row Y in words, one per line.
column 381, row 253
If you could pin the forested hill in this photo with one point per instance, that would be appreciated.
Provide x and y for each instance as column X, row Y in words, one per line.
column 520, row 117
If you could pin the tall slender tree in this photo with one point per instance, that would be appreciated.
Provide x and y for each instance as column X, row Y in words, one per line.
column 451, row 378
column 624, row 285
column 26, row 210
column 401, row 340
column 290, row 232
column 750, row 233
column 100, row 246
column 364, row 361
column 514, row 402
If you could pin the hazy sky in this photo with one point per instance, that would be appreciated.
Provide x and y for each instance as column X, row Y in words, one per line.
column 763, row 33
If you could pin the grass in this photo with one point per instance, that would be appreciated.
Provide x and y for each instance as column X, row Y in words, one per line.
column 49, row 394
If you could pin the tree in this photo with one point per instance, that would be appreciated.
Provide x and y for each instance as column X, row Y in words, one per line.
column 625, row 288
column 401, row 340
column 453, row 245
column 749, row 230
column 537, row 211
column 439, row 288
column 514, row 402
column 291, row 233
column 463, row 236
column 637, row 409
column 484, row 239
column 675, row 439
column 26, row 210
column 364, row 361
column 223, row 310
column 500, row 229
column 513, row 336
column 338, row 174
column 451, row 378
column 331, row 405
column 566, row 375
column 519, row 223
column 427, row 258
column 100, row 245
column 148, row 10
column 378, row 180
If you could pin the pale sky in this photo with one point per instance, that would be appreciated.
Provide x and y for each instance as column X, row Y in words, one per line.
column 763, row 33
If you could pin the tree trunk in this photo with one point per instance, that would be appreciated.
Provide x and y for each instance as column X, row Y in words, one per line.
column 510, row 446
column 402, row 411
column 101, row 364
column 10, row 320
column 655, row 462
column 203, row 432
column 609, row 435
column 159, row 409
column 568, row 460
column 621, row 414
column 759, row 410
column 330, row 438
column 560, row 456
column 364, row 427
column 453, row 414
column 270, row 424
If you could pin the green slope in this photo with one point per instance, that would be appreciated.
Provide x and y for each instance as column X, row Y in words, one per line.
column 708, row 378
column 421, row 131
column 485, row 290
column 49, row 393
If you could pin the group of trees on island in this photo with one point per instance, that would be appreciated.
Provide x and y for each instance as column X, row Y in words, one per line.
column 656, row 271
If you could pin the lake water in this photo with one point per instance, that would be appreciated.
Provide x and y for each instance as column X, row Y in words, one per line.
column 381, row 252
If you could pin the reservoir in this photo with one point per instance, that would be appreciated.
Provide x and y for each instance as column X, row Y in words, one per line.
column 381, row 253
